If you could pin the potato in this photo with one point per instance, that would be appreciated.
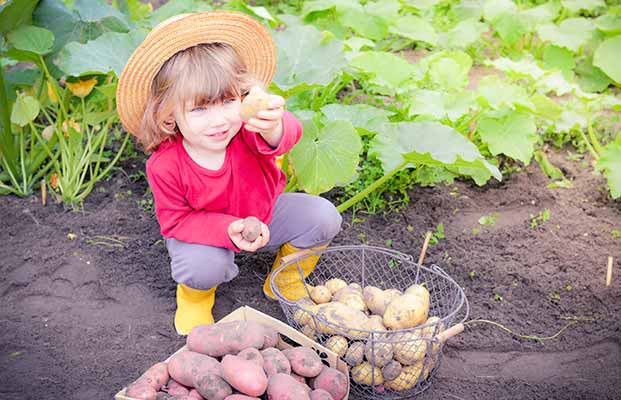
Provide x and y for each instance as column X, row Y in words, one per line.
column 332, row 381
column 298, row 378
column 256, row 100
column 365, row 374
column 240, row 397
column 217, row 340
column 284, row 387
column 374, row 299
column 355, row 354
column 194, row 395
column 391, row 370
column 156, row 376
column 252, row 354
column 405, row 312
column 309, row 332
column 175, row 388
column 274, row 362
column 390, row 294
column 212, row 387
column 343, row 316
column 141, row 390
column 407, row 379
column 419, row 291
column 353, row 299
column 375, row 323
column 320, row 294
column 320, row 394
column 244, row 375
column 335, row 284
column 252, row 229
column 304, row 361
column 378, row 353
column 409, row 347
column 186, row 365
column 270, row 337
column 355, row 287
column 337, row 344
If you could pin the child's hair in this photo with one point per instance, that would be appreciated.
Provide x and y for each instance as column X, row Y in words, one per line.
column 200, row 75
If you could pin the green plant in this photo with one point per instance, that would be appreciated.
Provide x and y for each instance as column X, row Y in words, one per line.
column 488, row 220
column 539, row 219
column 437, row 235
column 615, row 233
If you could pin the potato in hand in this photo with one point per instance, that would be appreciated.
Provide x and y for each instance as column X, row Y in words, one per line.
column 252, row 229
column 255, row 101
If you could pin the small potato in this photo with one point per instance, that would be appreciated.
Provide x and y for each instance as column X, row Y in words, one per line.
column 274, row 362
column 409, row 347
column 256, row 100
column 240, row 397
column 309, row 332
column 376, row 323
column 252, row 354
column 355, row 354
column 244, row 375
column 141, row 390
column 185, row 366
column 298, row 378
column 391, row 370
column 407, row 379
column 419, row 291
column 223, row 338
column 304, row 361
column 332, row 381
column 284, row 387
column 212, row 387
column 365, row 374
column 175, row 388
column 335, row 284
column 375, row 299
column 252, row 229
column 337, row 344
column 320, row 394
column 405, row 312
column 156, row 376
column 378, row 353
column 320, row 294
column 194, row 395
column 270, row 337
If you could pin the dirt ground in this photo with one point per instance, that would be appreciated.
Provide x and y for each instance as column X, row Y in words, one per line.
column 81, row 318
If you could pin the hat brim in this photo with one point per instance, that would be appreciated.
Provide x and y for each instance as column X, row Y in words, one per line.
column 250, row 40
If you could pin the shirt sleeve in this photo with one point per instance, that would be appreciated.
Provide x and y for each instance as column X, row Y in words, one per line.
column 291, row 133
column 180, row 221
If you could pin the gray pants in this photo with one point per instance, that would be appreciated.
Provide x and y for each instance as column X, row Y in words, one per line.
column 302, row 219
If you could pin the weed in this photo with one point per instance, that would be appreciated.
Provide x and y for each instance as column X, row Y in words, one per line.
column 389, row 242
column 539, row 219
column 554, row 297
column 615, row 233
column 489, row 220
column 472, row 275
column 476, row 231
column 437, row 235
column 498, row 297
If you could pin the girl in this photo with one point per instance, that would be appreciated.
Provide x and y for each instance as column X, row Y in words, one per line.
column 180, row 94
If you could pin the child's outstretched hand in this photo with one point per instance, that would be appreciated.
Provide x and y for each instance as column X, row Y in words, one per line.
column 267, row 121
column 244, row 235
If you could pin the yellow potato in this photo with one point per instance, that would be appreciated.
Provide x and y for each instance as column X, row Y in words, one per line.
column 255, row 101
column 365, row 374
column 337, row 344
column 335, row 284
column 375, row 299
column 407, row 379
column 405, row 312
column 355, row 354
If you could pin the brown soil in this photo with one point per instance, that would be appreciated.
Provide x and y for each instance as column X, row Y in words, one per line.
column 81, row 318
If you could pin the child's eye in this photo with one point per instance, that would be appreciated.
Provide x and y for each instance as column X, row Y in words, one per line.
column 195, row 109
column 229, row 101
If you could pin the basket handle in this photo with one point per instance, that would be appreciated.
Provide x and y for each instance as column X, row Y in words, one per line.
column 450, row 332
column 297, row 254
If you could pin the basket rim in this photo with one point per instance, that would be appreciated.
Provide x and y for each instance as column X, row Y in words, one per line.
column 433, row 269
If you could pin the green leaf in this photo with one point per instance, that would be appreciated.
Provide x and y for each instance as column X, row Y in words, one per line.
column 609, row 24
column 362, row 116
column 138, row 11
column 427, row 143
column 447, row 70
column 369, row 26
column 357, row 43
column 25, row 109
column 414, row 28
column 546, row 107
column 610, row 163
column 576, row 6
column 15, row 13
column 555, row 82
column 462, row 35
column 388, row 70
column 97, row 11
column 326, row 156
column 572, row 33
column 559, row 58
column 340, row 6
column 540, row 14
column 510, row 27
column 440, row 105
column 497, row 94
column 512, row 133
column 32, row 38
column 608, row 58
column 517, row 69
column 299, row 45
column 591, row 78
column 109, row 52
column 547, row 167
column 494, row 8
column 172, row 8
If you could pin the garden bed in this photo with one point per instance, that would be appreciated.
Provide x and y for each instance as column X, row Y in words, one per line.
column 82, row 317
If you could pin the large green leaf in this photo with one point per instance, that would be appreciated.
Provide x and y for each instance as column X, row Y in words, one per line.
column 462, row 35
column 14, row 13
column 608, row 58
column 560, row 58
column 512, row 133
column 496, row 93
column 591, row 78
column 427, row 143
column 492, row 9
column 366, row 25
column 414, row 28
column 576, row 6
column 440, row 105
column 609, row 24
column 540, row 14
column 341, row 6
column 446, row 70
column 32, row 38
column 388, row 70
column 25, row 109
column 362, row 116
column 510, row 27
column 610, row 164
column 326, row 156
column 172, row 8
column 517, row 69
column 305, row 59
column 572, row 33
column 109, row 52
column 88, row 21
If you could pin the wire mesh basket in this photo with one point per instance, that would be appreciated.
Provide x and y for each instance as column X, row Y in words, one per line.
column 384, row 363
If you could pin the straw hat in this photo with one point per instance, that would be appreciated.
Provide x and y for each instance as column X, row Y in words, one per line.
column 250, row 40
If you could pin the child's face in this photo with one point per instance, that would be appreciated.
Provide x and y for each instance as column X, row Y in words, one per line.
column 210, row 128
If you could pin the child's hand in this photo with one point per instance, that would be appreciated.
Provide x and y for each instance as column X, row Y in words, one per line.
column 235, row 233
column 268, row 122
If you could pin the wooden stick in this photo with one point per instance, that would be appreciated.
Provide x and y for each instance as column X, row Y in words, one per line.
column 43, row 192
column 609, row 272
column 424, row 250
column 450, row 332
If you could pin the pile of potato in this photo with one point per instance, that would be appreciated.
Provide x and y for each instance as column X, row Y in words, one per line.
column 239, row 361
column 387, row 357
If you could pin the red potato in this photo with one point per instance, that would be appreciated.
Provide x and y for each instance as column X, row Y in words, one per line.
column 194, row 395
column 252, row 354
column 241, row 397
column 176, row 389
column 217, row 340
column 274, row 362
column 270, row 337
column 320, row 394
column 212, row 387
column 304, row 361
column 284, row 387
column 332, row 381
column 141, row 390
column 252, row 229
column 186, row 366
column 244, row 375
column 298, row 378
column 156, row 376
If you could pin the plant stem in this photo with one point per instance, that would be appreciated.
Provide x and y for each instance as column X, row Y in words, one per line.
column 588, row 145
column 369, row 189
column 7, row 145
column 592, row 136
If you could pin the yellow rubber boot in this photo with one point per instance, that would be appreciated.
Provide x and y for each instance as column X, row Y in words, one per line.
column 193, row 308
column 288, row 281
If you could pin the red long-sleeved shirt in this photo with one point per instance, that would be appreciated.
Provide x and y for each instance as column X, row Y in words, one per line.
column 196, row 205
